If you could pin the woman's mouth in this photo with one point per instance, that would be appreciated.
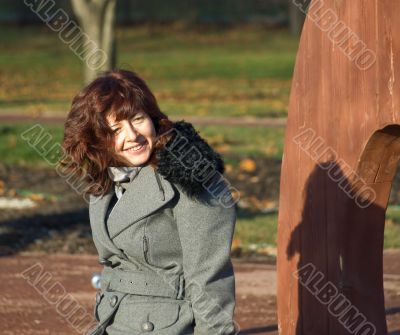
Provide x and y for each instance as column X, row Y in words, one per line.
column 137, row 148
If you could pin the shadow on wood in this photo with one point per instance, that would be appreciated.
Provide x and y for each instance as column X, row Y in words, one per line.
column 341, row 153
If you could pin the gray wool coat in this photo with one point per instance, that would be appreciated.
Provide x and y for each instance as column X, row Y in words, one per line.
column 165, row 247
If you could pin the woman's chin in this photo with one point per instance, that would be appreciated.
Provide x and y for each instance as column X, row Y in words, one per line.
column 136, row 159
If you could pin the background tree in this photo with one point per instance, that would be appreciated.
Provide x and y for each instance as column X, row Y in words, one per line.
column 297, row 16
column 97, row 19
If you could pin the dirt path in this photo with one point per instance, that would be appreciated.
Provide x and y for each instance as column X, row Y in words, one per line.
column 28, row 309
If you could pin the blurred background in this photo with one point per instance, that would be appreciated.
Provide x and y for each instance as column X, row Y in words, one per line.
column 225, row 66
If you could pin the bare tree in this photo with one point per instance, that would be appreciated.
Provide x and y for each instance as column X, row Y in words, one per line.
column 97, row 19
column 297, row 10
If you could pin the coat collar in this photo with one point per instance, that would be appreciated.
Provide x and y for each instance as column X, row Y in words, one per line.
column 151, row 188
column 188, row 160
column 145, row 193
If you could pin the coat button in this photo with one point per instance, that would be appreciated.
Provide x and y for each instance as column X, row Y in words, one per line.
column 98, row 297
column 105, row 262
column 96, row 280
column 147, row 326
column 113, row 300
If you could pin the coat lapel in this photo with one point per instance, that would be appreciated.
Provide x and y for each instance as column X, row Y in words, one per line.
column 97, row 213
column 141, row 198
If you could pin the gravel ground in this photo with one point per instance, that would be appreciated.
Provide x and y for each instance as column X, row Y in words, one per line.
column 28, row 309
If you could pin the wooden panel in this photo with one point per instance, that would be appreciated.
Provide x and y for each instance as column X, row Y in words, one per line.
column 335, row 146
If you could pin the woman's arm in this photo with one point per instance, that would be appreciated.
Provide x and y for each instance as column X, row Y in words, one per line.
column 206, row 230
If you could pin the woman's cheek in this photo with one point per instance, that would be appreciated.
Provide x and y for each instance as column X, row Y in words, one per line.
column 118, row 144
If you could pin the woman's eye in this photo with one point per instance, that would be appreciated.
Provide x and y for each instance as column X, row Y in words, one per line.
column 116, row 130
column 138, row 118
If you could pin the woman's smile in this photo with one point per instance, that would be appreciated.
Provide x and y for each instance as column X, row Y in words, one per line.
column 136, row 149
column 133, row 139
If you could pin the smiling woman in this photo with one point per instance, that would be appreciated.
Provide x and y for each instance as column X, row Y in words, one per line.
column 161, row 213
column 104, row 120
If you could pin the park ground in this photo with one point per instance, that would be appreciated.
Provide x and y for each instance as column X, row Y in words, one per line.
column 27, row 309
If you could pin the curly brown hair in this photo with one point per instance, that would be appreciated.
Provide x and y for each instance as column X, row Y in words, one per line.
column 88, row 139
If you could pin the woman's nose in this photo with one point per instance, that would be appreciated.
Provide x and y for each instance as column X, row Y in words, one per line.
column 131, row 132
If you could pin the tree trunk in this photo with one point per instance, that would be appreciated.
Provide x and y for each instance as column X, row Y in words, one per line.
column 97, row 20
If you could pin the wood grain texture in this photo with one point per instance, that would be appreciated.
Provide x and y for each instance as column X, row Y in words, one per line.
column 342, row 149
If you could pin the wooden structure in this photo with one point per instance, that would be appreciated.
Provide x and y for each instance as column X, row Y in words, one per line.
column 342, row 147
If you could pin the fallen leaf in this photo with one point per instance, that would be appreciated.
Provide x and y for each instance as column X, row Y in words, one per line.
column 247, row 165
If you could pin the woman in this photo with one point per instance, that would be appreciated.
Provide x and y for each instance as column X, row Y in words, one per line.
column 161, row 213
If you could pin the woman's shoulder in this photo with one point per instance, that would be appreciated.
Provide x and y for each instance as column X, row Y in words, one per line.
column 188, row 160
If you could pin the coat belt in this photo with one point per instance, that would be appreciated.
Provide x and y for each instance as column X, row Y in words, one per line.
column 144, row 283
column 147, row 283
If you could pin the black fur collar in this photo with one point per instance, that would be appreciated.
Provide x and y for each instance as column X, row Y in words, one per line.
column 185, row 157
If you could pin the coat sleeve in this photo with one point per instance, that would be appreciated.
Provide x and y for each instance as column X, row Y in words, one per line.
column 205, row 230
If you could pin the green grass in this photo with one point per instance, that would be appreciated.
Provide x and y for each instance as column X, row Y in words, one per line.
column 231, row 72
column 243, row 142
column 392, row 228
column 14, row 149
column 256, row 229
column 261, row 229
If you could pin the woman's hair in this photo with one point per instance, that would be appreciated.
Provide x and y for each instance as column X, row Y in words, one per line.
column 88, row 142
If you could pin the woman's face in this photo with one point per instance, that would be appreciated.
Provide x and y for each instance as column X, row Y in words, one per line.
column 133, row 139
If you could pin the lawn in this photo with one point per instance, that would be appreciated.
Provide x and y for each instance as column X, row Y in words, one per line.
column 242, row 71
column 258, row 232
